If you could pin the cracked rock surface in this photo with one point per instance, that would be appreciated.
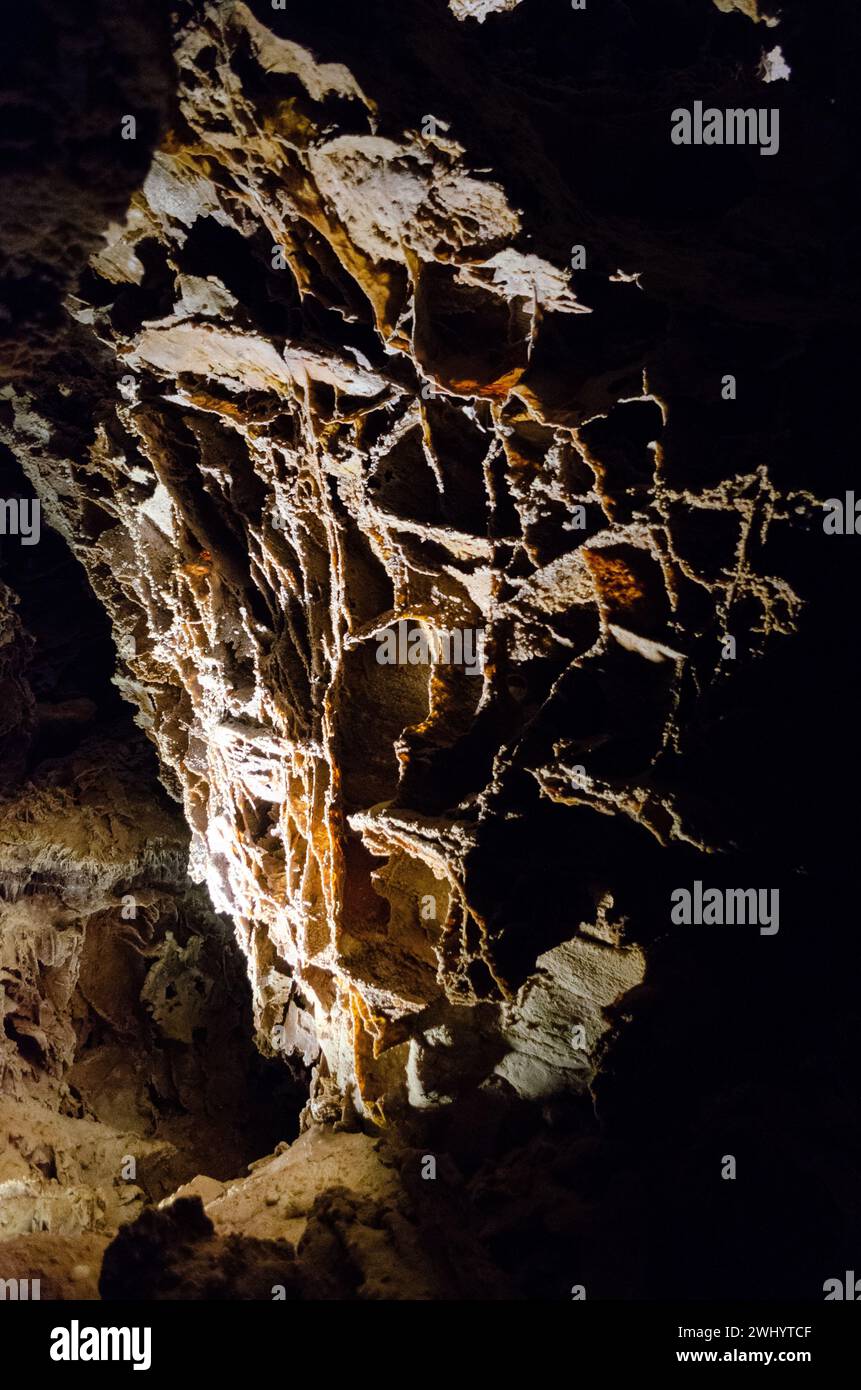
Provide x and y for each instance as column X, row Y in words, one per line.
column 125, row 1057
column 308, row 371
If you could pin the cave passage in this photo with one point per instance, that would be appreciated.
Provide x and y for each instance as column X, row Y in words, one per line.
column 427, row 671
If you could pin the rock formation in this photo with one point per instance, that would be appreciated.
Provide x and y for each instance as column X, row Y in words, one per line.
column 445, row 448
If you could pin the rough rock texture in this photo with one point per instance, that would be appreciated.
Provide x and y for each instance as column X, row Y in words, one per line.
column 125, row 1060
column 314, row 368
column 332, row 1216
column 276, row 491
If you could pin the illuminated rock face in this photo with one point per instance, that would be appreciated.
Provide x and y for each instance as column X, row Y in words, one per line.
column 330, row 427
column 338, row 399
column 126, row 1061
column 437, row 436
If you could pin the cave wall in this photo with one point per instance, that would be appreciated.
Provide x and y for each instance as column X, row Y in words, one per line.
column 312, row 359
column 126, row 1063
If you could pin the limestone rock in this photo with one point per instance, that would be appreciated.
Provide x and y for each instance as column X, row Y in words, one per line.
column 379, row 386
